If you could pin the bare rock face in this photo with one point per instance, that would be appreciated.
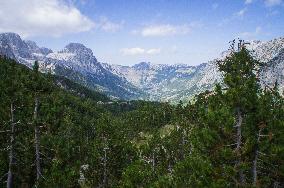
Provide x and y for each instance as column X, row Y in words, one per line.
column 144, row 80
column 182, row 82
column 75, row 62
column 12, row 45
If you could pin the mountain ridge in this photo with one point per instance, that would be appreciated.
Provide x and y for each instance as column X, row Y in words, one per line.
column 190, row 80
column 144, row 80
column 75, row 62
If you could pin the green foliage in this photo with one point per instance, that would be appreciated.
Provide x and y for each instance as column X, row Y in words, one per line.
column 88, row 140
column 194, row 171
column 139, row 174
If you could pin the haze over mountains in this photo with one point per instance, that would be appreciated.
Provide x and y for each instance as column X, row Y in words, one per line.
column 141, row 81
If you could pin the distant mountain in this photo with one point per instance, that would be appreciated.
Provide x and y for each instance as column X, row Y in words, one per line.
column 164, row 82
column 274, row 72
column 182, row 82
column 75, row 62
column 144, row 80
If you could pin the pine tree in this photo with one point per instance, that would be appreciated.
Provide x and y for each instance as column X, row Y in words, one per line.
column 9, row 82
column 39, row 86
column 242, row 89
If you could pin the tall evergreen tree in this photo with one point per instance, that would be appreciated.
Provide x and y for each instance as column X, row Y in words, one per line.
column 39, row 86
column 240, row 78
column 10, row 93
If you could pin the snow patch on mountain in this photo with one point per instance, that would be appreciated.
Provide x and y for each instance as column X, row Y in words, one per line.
column 62, row 56
column 144, row 80
column 182, row 82
column 75, row 62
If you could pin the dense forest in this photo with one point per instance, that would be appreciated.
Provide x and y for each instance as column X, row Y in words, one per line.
column 56, row 133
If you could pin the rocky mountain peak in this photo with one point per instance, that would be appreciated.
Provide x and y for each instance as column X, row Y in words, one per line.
column 31, row 44
column 142, row 66
column 78, row 48
column 10, row 37
column 12, row 42
column 157, row 81
column 33, row 47
column 81, row 52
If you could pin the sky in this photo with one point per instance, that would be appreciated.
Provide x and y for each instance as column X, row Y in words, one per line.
column 127, row 32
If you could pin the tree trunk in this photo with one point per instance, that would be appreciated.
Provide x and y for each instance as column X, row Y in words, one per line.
column 239, row 129
column 183, row 145
column 239, row 142
column 153, row 160
column 37, row 140
column 254, row 168
column 11, row 154
column 105, row 165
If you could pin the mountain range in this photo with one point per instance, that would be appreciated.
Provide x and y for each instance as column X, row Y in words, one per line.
column 159, row 82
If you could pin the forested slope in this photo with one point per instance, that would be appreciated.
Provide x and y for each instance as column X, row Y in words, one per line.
column 59, row 135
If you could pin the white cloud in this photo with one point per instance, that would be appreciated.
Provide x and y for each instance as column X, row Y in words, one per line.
column 258, row 30
column 268, row 3
column 132, row 51
column 135, row 32
column 140, row 51
column 165, row 30
column 271, row 3
column 153, row 51
column 253, row 34
column 236, row 16
column 106, row 25
column 42, row 17
column 241, row 13
column 248, row 2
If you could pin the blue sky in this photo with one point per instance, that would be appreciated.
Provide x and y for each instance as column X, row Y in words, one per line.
column 130, row 31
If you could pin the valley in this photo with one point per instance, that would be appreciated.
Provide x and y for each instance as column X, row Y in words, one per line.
column 147, row 81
